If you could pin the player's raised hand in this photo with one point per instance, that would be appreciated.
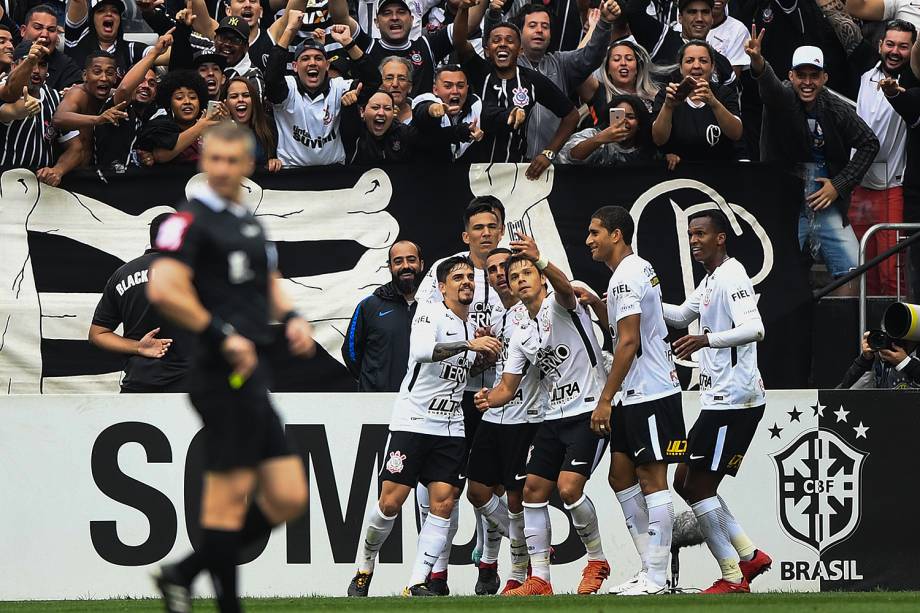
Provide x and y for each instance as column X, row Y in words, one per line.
column 526, row 246
column 152, row 347
column 600, row 418
column 299, row 334
column 686, row 346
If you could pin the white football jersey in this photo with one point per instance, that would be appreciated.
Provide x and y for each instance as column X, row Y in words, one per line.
column 562, row 345
column 633, row 290
column 729, row 377
column 529, row 402
column 430, row 394
column 309, row 133
column 486, row 309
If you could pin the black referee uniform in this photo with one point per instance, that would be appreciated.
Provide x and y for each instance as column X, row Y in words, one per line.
column 232, row 263
column 124, row 301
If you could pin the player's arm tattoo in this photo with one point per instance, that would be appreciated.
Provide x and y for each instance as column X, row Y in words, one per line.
column 442, row 351
column 848, row 33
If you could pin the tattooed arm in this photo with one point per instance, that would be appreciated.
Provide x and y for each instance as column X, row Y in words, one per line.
column 442, row 351
column 848, row 33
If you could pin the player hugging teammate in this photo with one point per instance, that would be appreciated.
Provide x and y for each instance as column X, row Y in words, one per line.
column 553, row 409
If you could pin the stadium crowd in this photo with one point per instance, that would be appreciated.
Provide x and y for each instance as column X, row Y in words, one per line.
column 829, row 85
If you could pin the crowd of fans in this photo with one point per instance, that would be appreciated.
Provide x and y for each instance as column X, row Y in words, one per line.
column 830, row 85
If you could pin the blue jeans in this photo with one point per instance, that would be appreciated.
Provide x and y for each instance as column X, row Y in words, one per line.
column 830, row 241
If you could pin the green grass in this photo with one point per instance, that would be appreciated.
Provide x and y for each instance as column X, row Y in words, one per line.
column 885, row 602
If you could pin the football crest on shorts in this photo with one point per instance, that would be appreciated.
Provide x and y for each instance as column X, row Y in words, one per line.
column 395, row 463
column 520, row 96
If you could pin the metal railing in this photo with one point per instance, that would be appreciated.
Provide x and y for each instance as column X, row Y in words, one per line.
column 900, row 246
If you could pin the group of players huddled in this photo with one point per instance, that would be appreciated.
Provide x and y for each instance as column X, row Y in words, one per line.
column 507, row 393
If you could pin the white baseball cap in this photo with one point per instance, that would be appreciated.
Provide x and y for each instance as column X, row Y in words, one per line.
column 808, row 56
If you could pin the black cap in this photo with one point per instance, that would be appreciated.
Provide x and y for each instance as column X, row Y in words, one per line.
column 22, row 50
column 116, row 3
column 339, row 62
column 234, row 25
column 306, row 44
column 206, row 56
column 383, row 3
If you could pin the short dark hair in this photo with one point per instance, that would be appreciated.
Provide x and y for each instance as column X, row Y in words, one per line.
column 682, row 4
column 97, row 53
column 503, row 24
column 616, row 218
column 484, row 204
column 449, row 68
column 530, row 9
column 716, row 217
column 41, row 8
column 5, row 28
column 900, row 25
column 155, row 224
column 696, row 42
column 418, row 249
column 514, row 259
column 499, row 251
column 449, row 264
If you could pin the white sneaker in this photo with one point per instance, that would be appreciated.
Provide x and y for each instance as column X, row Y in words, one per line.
column 644, row 587
column 628, row 584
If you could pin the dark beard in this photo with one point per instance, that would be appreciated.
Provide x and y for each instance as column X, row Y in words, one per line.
column 407, row 286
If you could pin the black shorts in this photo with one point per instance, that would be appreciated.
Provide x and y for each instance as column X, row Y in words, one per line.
column 241, row 428
column 566, row 444
column 471, row 418
column 650, row 431
column 720, row 438
column 413, row 458
column 499, row 454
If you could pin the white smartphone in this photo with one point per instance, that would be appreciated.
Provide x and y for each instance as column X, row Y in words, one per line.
column 617, row 115
column 213, row 105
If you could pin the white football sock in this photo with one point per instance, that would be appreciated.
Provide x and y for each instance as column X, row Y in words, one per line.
column 740, row 541
column 519, row 556
column 444, row 558
column 480, row 530
column 378, row 529
column 710, row 515
column 537, row 536
column 431, row 541
column 495, row 521
column 422, row 502
column 584, row 517
column 660, row 525
column 636, row 513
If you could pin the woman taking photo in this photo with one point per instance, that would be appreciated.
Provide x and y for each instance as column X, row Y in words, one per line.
column 697, row 120
column 245, row 107
column 628, row 70
column 628, row 139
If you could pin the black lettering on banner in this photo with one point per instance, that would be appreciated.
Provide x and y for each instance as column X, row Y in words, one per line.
column 344, row 531
column 118, row 486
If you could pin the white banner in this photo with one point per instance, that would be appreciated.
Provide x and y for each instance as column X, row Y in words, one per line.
column 95, row 496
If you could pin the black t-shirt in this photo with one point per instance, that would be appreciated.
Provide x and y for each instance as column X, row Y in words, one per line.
column 124, row 301
column 695, row 133
column 231, row 261
column 425, row 53
column 499, row 96
column 114, row 146
column 81, row 40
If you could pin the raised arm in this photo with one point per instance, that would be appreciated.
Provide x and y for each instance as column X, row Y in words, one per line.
column 461, row 37
column 277, row 28
column 138, row 72
column 869, row 10
column 203, row 23
column 565, row 293
column 276, row 87
column 11, row 90
column 77, row 11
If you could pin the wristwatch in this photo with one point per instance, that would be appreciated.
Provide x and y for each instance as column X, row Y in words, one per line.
column 549, row 154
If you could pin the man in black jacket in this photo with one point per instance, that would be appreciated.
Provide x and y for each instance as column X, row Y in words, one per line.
column 894, row 368
column 376, row 348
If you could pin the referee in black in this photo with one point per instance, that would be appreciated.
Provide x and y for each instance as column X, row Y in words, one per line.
column 217, row 277
column 157, row 352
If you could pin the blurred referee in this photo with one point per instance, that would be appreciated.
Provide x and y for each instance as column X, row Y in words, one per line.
column 217, row 277
column 158, row 352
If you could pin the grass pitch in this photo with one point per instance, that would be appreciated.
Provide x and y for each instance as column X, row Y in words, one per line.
column 883, row 602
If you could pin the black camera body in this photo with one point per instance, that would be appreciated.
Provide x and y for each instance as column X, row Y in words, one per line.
column 878, row 340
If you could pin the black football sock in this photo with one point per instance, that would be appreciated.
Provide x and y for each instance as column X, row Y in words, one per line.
column 255, row 526
column 219, row 549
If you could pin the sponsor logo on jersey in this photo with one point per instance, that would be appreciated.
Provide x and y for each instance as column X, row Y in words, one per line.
column 395, row 464
column 738, row 295
column 713, row 134
column 303, row 136
column 677, row 447
column 327, row 116
column 172, row 231
column 444, row 406
column 455, row 372
column 551, row 358
column 564, row 393
column 130, row 281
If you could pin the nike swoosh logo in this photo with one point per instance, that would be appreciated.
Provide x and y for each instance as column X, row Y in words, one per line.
column 384, row 313
column 636, row 454
column 451, row 334
column 696, row 457
column 462, row 477
column 577, row 463
column 519, row 477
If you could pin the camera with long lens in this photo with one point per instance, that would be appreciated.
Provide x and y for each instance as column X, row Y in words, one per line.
column 901, row 322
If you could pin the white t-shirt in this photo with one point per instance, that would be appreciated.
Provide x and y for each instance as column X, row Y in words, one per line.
column 908, row 10
column 562, row 345
column 486, row 309
column 430, row 394
column 887, row 170
column 729, row 377
column 308, row 129
column 728, row 38
column 529, row 402
column 634, row 290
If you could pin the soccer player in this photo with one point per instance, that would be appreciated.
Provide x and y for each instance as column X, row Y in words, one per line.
column 426, row 443
column 559, row 341
column 217, row 277
column 498, row 456
column 648, row 425
column 732, row 396
column 483, row 229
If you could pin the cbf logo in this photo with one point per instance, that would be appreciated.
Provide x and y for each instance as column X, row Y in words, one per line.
column 820, row 486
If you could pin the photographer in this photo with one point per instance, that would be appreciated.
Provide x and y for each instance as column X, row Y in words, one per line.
column 885, row 363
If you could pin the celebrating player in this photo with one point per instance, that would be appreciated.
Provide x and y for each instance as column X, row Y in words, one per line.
column 732, row 396
column 648, row 426
column 426, row 443
column 217, row 276
column 558, row 340
column 498, row 456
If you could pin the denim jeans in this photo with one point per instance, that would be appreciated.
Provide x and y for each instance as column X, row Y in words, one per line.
column 830, row 241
